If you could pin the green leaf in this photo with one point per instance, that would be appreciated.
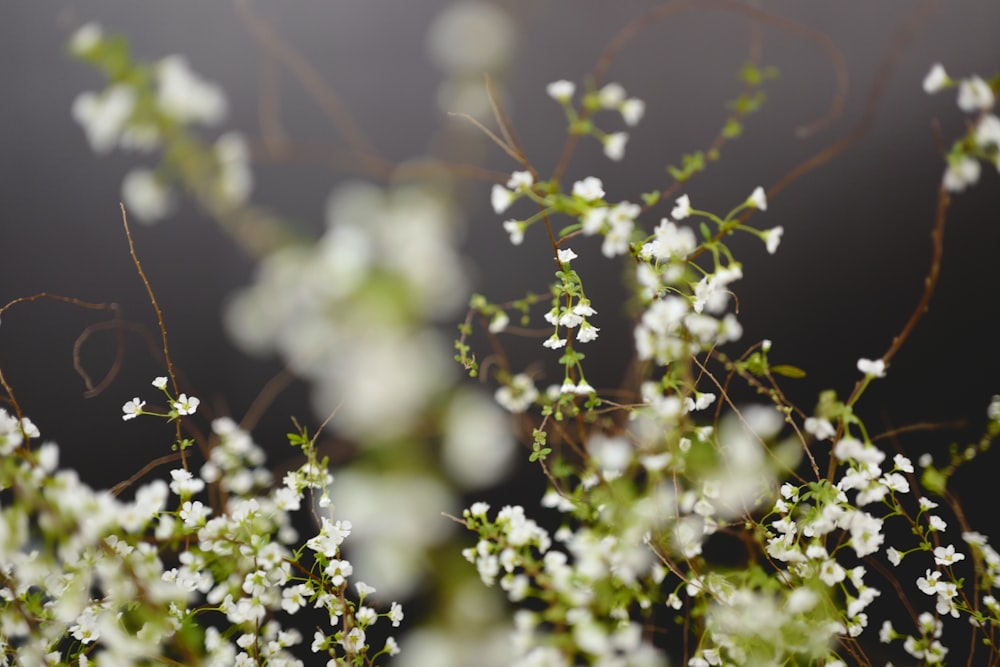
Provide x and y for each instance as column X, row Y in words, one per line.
column 568, row 229
column 650, row 198
column 788, row 371
column 751, row 75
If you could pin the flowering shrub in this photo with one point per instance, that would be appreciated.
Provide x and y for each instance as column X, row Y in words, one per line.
column 646, row 485
column 689, row 525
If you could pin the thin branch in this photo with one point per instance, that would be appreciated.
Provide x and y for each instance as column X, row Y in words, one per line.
column 160, row 321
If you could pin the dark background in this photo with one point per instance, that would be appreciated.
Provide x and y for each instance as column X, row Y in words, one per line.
column 847, row 276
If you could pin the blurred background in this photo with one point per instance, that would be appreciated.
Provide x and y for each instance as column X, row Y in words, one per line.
column 848, row 273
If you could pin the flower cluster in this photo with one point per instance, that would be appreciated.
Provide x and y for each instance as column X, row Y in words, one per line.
column 88, row 578
column 982, row 140
column 760, row 529
column 610, row 97
column 145, row 108
column 648, row 499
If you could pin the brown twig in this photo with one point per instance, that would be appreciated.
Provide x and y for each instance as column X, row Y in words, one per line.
column 314, row 84
column 159, row 320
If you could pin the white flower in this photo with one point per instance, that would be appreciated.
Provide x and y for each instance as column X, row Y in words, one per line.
column 184, row 483
column 936, row 523
column 132, row 409
column 185, row 95
column 561, row 90
column 936, row 79
column 516, row 397
column 611, row 96
column 614, row 145
column 185, row 405
column 947, row 555
column 566, row 255
column 160, row 382
column 757, row 199
column 85, row 38
column 974, row 94
column 926, row 503
column 515, row 229
column 670, row 241
column 145, row 196
column 354, row 641
column 902, row 463
column 682, row 209
column 339, row 571
column 961, row 173
column 520, row 180
column 632, row 111
column 587, row 332
column 501, row 198
column 589, row 189
column 104, row 117
column 583, row 388
column 872, row 368
column 498, row 322
column 929, row 584
column 616, row 241
column 554, row 342
column 592, row 221
column 988, row 131
column 772, row 238
column 821, row 428
column 395, row 614
column 235, row 177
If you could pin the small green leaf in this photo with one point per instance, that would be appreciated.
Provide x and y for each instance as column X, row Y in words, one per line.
column 732, row 129
column 788, row 371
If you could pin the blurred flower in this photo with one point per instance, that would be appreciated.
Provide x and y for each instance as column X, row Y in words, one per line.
column 104, row 116
column 479, row 448
column 974, row 94
column 145, row 196
column 471, row 36
column 185, row 95
column 936, row 79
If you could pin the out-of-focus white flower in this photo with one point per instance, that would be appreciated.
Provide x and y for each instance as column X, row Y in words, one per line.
column 589, row 189
column 393, row 516
column 471, row 37
column 974, row 94
column 988, row 131
column 235, row 177
column 612, row 454
column 772, row 238
column 874, row 368
column 758, row 199
column 614, row 145
column 145, row 196
column 518, row 395
column 478, row 449
column 561, row 90
column 682, row 208
column 961, row 173
column 611, row 96
column 85, row 38
column 185, row 95
column 632, row 111
column 104, row 116
column 936, row 79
